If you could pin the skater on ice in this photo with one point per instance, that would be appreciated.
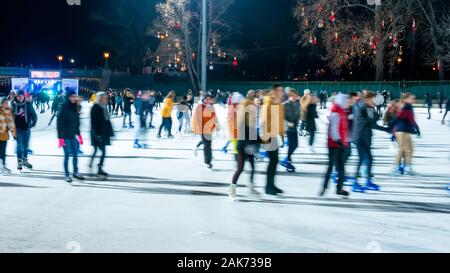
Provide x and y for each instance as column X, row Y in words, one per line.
column 101, row 131
column 272, row 131
column 25, row 118
column 7, row 128
column 69, row 134
column 205, row 124
column 292, row 118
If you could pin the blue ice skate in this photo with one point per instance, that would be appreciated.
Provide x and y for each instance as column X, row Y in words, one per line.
column 372, row 186
column 400, row 170
column 224, row 150
column 288, row 165
column 358, row 188
column 137, row 145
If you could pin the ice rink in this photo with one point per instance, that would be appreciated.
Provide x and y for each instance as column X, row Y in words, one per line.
column 164, row 199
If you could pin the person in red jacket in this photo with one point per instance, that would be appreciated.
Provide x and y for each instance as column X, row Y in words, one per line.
column 338, row 143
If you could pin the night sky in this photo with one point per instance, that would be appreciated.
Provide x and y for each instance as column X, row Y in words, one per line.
column 36, row 31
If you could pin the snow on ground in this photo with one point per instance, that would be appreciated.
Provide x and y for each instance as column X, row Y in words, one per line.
column 164, row 200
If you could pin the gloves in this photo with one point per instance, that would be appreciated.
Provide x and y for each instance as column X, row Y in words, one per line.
column 61, row 143
column 341, row 145
column 80, row 139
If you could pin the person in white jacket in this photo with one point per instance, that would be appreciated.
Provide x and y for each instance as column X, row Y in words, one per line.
column 379, row 101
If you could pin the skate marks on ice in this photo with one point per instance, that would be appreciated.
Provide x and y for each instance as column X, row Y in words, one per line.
column 122, row 183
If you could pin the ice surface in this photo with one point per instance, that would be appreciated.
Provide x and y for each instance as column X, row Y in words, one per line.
column 164, row 200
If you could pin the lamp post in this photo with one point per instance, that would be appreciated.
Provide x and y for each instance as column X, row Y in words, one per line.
column 60, row 60
column 106, row 55
column 204, row 46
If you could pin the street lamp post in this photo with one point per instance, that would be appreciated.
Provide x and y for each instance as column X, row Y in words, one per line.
column 60, row 60
column 106, row 55
column 204, row 46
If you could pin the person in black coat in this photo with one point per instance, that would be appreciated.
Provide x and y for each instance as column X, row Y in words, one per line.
column 364, row 120
column 429, row 103
column 128, row 101
column 101, row 130
column 311, row 116
column 70, row 139
column 25, row 118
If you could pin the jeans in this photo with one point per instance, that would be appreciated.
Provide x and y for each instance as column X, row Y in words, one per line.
column 71, row 149
column 242, row 157
column 23, row 140
column 3, row 151
column 336, row 157
column 102, row 148
column 272, row 169
column 292, row 143
column 445, row 115
column 166, row 124
column 207, row 150
column 125, row 115
column 312, row 137
column 365, row 156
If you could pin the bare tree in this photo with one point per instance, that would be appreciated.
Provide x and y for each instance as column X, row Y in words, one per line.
column 436, row 34
column 352, row 32
column 177, row 26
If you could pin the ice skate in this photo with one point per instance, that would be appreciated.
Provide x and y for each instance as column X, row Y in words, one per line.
column 372, row 186
column 224, row 150
column 137, row 145
column 288, row 165
column 358, row 188
column 19, row 165
column 78, row 176
column 68, row 179
column 101, row 172
column 343, row 193
column 27, row 164
column 232, row 192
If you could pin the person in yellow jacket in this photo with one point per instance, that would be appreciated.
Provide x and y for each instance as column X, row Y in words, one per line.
column 93, row 98
column 272, row 130
column 7, row 126
column 166, row 114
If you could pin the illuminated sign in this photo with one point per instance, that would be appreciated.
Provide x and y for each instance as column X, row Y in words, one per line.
column 45, row 74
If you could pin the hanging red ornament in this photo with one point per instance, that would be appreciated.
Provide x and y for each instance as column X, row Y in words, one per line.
column 336, row 38
column 177, row 25
column 315, row 41
column 414, row 25
column 306, row 22
column 235, row 62
column 333, row 16
column 354, row 38
column 311, row 40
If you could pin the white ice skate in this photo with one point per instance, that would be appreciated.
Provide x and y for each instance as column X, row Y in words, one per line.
column 232, row 192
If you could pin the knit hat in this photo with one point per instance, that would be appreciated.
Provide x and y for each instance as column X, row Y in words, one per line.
column 71, row 92
column 236, row 98
column 3, row 99
column 307, row 92
column 20, row 93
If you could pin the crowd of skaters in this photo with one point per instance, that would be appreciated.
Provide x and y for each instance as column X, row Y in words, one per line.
column 259, row 124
